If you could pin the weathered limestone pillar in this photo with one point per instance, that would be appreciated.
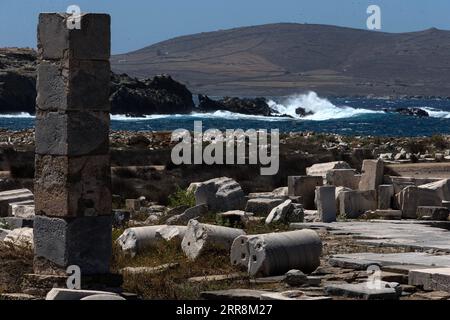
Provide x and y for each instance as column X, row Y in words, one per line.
column 72, row 178
column 326, row 203
column 372, row 175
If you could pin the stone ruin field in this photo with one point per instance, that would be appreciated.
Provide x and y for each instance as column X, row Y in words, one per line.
column 385, row 223
column 344, row 218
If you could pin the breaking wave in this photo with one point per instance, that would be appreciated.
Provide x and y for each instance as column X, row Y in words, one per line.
column 17, row 115
column 321, row 108
column 435, row 113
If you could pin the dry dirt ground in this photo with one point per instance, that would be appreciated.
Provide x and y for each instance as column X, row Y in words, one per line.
column 422, row 170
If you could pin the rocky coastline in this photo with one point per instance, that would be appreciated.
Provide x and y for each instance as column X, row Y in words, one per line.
column 133, row 97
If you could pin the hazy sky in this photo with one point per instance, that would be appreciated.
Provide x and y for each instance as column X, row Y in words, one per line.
column 138, row 23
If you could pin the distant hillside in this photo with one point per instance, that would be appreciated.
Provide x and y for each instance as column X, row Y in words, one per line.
column 279, row 59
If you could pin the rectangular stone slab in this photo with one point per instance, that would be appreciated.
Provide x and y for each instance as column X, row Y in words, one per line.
column 326, row 203
column 73, row 85
column 72, row 186
column 403, row 268
column 304, row 186
column 75, row 294
column 11, row 196
column 23, row 211
column 57, row 41
column 388, row 214
column 321, row 169
column 343, row 178
column 432, row 213
column 362, row 291
column 233, row 294
column 412, row 197
column 435, row 279
column 354, row 203
column 418, row 234
column 386, row 259
column 12, row 206
column 15, row 222
column 262, row 206
column 85, row 242
column 72, row 133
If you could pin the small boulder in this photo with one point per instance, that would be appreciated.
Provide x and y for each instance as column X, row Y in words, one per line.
column 220, row 194
column 295, row 278
column 286, row 212
column 22, row 237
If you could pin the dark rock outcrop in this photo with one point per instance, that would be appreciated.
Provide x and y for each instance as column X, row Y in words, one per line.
column 416, row 112
column 17, row 80
column 17, row 93
column 302, row 112
column 255, row 106
column 129, row 96
column 160, row 95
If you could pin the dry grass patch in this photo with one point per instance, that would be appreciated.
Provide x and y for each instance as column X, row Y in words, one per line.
column 173, row 283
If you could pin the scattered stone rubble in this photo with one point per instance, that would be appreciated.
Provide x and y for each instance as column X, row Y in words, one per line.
column 295, row 257
column 334, row 192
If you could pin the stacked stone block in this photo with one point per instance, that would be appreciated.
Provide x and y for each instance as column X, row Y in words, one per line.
column 72, row 176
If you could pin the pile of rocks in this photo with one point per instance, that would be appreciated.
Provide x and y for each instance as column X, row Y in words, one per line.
column 336, row 189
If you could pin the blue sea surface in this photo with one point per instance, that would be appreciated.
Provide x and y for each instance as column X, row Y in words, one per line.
column 347, row 116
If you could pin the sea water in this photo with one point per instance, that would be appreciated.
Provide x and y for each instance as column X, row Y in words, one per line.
column 347, row 116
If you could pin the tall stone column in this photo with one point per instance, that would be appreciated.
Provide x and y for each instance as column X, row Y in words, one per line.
column 72, row 179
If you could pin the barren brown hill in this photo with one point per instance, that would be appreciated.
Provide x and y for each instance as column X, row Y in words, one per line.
column 279, row 59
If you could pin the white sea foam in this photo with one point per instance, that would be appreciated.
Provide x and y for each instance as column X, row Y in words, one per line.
column 435, row 113
column 235, row 116
column 123, row 117
column 321, row 108
column 17, row 115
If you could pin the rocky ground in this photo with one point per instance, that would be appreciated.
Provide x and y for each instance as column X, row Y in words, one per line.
column 150, row 191
column 142, row 165
column 170, row 275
